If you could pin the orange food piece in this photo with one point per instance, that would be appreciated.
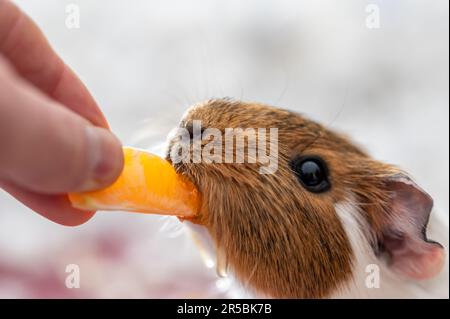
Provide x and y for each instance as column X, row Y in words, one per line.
column 147, row 184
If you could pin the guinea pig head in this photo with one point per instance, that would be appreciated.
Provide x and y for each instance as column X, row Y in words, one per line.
column 280, row 230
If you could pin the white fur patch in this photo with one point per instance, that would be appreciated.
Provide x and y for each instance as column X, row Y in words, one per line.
column 364, row 261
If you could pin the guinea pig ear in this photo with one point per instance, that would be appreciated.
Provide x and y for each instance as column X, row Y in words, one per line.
column 403, row 238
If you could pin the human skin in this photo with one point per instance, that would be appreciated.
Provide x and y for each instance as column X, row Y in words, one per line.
column 54, row 138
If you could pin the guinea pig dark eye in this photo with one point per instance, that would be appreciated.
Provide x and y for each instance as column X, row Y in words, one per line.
column 312, row 173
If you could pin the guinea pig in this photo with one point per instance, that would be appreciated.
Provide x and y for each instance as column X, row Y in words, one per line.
column 330, row 221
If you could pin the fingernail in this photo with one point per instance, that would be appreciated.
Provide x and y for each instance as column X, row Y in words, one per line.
column 105, row 158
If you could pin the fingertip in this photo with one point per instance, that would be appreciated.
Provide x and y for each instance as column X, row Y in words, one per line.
column 59, row 210
column 105, row 156
column 69, row 217
column 72, row 93
column 56, row 208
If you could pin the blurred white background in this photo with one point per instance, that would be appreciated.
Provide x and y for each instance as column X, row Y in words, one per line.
column 146, row 61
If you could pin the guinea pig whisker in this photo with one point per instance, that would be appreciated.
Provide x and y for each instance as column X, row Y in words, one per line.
column 319, row 134
column 247, row 282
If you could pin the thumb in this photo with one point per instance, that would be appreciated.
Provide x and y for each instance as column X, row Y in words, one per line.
column 48, row 149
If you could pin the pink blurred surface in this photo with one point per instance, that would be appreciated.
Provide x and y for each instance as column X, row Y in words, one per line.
column 118, row 262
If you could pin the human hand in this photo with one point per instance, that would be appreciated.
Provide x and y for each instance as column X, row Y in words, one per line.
column 53, row 137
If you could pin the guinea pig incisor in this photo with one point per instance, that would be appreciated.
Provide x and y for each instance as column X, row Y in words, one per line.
column 284, row 240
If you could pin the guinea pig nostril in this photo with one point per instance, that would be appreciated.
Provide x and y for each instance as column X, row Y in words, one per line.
column 190, row 129
column 196, row 132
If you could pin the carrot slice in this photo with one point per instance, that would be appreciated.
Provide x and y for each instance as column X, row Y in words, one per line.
column 147, row 184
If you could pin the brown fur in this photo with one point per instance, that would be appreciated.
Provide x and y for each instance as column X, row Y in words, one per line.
column 279, row 238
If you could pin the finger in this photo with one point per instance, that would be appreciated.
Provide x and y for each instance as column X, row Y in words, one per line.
column 54, row 207
column 46, row 148
column 27, row 49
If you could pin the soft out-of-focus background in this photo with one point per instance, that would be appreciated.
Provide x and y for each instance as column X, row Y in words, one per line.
column 146, row 61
